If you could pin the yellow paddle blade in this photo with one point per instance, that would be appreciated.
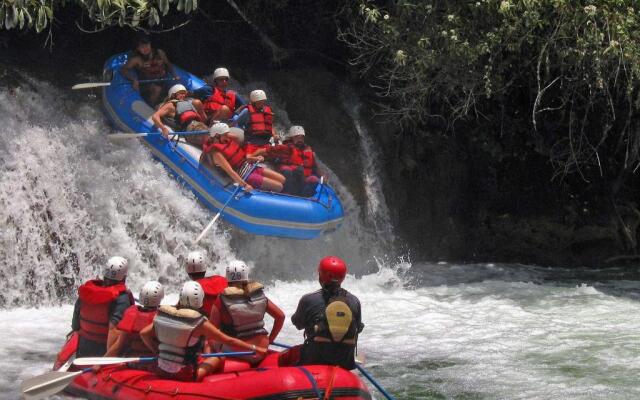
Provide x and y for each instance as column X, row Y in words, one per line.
column 339, row 319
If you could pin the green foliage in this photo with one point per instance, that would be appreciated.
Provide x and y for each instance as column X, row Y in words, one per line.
column 39, row 14
column 563, row 76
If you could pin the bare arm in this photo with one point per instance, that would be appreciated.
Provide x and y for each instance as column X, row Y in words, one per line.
column 118, row 345
column 148, row 336
column 212, row 333
column 278, row 319
column 132, row 63
column 259, row 152
column 167, row 110
column 113, row 335
column 197, row 104
column 219, row 160
column 215, row 316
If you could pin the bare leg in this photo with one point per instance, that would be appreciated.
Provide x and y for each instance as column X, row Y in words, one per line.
column 210, row 366
column 271, row 185
column 222, row 114
column 273, row 175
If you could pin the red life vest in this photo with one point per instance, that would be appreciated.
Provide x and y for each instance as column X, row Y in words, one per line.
column 95, row 300
column 302, row 157
column 135, row 318
column 219, row 99
column 152, row 69
column 279, row 154
column 212, row 286
column 230, row 150
column 185, row 112
column 260, row 122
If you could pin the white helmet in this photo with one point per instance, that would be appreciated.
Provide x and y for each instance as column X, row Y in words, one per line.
column 237, row 271
column 195, row 263
column 219, row 128
column 176, row 88
column 295, row 130
column 192, row 295
column 237, row 133
column 116, row 269
column 221, row 73
column 257, row 95
column 151, row 294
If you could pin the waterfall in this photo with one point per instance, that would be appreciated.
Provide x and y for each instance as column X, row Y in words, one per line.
column 71, row 200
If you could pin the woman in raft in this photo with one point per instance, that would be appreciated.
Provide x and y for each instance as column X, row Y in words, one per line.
column 224, row 150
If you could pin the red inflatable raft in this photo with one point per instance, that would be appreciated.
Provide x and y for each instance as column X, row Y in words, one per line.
column 273, row 379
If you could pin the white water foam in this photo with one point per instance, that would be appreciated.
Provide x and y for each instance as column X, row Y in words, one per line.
column 71, row 199
column 487, row 339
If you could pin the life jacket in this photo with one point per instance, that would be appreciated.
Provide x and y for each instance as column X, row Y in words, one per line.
column 185, row 112
column 242, row 315
column 95, row 301
column 260, row 121
column 336, row 324
column 302, row 157
column 230, row 150
column 174, row 329
column 134, row 319
column 154, row 68
column 219, row 99
column 279, row 154
column 212, row 287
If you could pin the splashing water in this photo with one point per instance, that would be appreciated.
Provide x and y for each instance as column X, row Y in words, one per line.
column 70, row 200
column 432, row 331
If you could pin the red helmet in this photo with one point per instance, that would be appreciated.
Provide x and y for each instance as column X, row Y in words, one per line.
column 332, row 269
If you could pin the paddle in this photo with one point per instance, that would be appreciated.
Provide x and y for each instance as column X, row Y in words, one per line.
column 83, row 361
column 42, row 386
column 374, row 382
column 116, row 136
column 213, row 221
column 360, row 368
column 91, row 85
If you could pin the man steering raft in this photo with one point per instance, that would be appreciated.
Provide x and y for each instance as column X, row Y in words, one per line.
column 148, row 63
column 330, row 317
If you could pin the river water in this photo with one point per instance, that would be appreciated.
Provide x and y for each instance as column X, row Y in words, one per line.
column 433, row 330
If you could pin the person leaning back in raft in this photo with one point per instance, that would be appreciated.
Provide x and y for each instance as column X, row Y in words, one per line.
column 296, row 161
column 185, row 114
column 223, row 150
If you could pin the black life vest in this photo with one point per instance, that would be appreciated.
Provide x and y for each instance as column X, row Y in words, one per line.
column 337, row 324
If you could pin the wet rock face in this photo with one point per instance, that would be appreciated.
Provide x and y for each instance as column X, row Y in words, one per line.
column 312, row 98
column 446, row 203
column 453, row 205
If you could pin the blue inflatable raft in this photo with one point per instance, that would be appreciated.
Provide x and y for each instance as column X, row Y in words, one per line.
column 258, row 212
